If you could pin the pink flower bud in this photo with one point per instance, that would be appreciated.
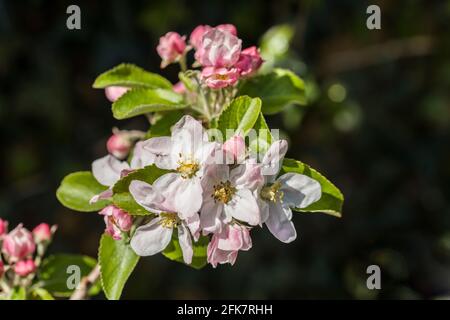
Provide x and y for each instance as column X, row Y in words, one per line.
column 236, row 147
column 119, row 145
column 117, row 221
column 113, row 93
column 25, row 267
column 219, row 49
column 228, row 28
column 179, row 87
column 3, row 227
column 249, row 61
column 170, row 48
column 197, row 35
column 217, row 78
column 224, row 246
column 2, row 268
column 18, row 243
column 42, row 233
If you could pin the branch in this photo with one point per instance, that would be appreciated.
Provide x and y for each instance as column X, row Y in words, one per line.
column 81, row 291
column 376, row 54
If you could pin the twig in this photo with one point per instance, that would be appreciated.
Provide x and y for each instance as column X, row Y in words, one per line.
column 81, row 291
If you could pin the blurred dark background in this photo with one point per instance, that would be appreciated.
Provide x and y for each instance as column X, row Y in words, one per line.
column 377, row 126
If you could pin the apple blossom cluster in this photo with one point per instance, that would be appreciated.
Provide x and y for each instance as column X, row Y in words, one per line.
column 210, row 189
column 21, row 254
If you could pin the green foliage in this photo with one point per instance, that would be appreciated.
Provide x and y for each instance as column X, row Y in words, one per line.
column 241, row 115
column 41, row 294
column 261, row 143
column 129, row 75
column 141, row 101
column 173, row 251
column 276, row 89
column 117, row 261
column 162, row 126
column 332, row 199
column 54, row 274
column 147, row 174
column 18, row 293
column 126, row 202
column 77, row 189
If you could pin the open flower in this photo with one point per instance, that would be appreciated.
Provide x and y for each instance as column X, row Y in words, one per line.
column 170, row 48
column 107, row 171
column 116, row 221
column 224, row 246
column 229, row 194
column 217, row 78
column 155, row 236
column 188, row 152
column 249, row 61
column 219, row 49
column 279, row 195
column 18, row 244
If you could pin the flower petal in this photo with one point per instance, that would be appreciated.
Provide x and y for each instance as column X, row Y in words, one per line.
column 108, row 193
column 243, row 207
column 161, row 148
column 211, row 216
column 185, row 241
column 279, row 225
column 147, row 196
column 141, row 157
column 151, row 238
column 107, row 170
column 299, row 190
column 193, row 223
column 273, row 158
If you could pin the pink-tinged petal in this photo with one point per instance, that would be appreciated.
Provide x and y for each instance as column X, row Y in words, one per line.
column 18, row 244
column 299, row 190
column 147, row 196
column 211, row 216
column 185, row 241
column 107, row 170
column 25, row 267
column 230, row 239
column 188, row 135
column 171, row 47
column 247, row 176
column 246, row 239
column 161, row 148
column 279, row 224
column 179, row 87
column 151, row 238
column 101, row 196
column 271, row 163
column 217, row 78
column 243, row 207
column 113, row 93
column 219, row 49
column 236, row 147
column 193, row 223
column 189, row 197
column 249, row 61
column 197, row 35
column 228, row 28
column 141, row 157
column 205, row 155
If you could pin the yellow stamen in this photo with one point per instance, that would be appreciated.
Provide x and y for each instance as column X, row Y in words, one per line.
column 169, row 220
column 272, row 192
column 187, row 168
column 223, row 192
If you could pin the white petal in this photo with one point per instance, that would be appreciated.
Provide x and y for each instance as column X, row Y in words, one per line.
column 141, row 157
column 299, row 190
column 185, row 243
column 193, row 223
column 273, row 158
column 107, row 170
column 147, row 196
column 151, row 238
column 244, row 207
column 210, row 216
column 278, row 223
column 188, row 136
column 161, row 148
column 247, row 176
column 108, row 193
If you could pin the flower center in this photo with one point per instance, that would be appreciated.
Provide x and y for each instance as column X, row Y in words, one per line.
column 188, row 168
column 169, row 219
column 272, row 192
column 223, row 192
column 221, row 77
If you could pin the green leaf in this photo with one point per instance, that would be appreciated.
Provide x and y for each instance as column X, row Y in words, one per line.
column 18, row 293
column 162, row 126
column 77, row 189
column 173, row 251
column 129, row 75
column 126, row 202
column 41, row 294
column 117, row 261
column 148, row 174
column 240, row 115
column 332, row 199
column 276, row 89
column 261, row 143
column 57, row 273
column 140, row 101
column 187, row 81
